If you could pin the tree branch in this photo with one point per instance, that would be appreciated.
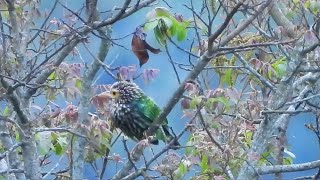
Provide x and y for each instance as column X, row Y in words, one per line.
column 288, row 168
column 86, row 94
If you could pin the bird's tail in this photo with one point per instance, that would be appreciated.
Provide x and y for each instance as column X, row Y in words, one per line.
column 169, row 137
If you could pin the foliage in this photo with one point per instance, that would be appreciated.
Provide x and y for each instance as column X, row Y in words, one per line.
column 243, row 74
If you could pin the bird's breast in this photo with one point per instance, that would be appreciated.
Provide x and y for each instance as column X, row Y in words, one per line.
column 120, row 113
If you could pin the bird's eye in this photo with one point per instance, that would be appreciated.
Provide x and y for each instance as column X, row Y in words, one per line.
column 114, row 93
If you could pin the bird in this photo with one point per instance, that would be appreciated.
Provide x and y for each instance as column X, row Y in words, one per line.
column 133, row 112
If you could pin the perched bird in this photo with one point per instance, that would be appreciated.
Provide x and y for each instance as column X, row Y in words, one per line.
column 133, row 112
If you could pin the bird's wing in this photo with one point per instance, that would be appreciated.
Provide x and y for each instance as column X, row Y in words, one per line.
column 149, row 110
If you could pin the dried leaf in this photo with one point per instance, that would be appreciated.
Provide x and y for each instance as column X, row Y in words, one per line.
column 140, row 46
column 151, row 49
column 139, row 49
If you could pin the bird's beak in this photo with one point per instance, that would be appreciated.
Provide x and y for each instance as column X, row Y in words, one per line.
column 107, row 94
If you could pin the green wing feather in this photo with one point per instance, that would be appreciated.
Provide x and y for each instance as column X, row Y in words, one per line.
column 148, row 108
column 150, row 111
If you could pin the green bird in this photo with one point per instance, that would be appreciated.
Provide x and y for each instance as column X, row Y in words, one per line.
column 133, row 112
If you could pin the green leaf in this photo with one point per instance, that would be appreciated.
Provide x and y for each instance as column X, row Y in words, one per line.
column 172, row 31
column 17, row 136
column 189, row 148
column 215, row 125
column 78, row 83
column 195, row 102
column 54, row 136
column 6, row 112
column 62, row 140
column 167, row 21
column 162, row 12
column 162, row 39
column 181, row 33
column 314, row 6
column 222, row 100
column 57, row 148
column 248, row 137
column 52, row 76
column 60, row 143
column 280, row 66
column 180, row 172
column 44, row 139
column 204, row 163
column 150, row 24
column 307, row 4
column 154, row 22
column 290, row 14
column 264, row 158
column 287, row 161
column 228, row 77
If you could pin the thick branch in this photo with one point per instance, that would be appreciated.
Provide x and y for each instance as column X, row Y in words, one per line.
column 289, row 168
column 282, row 20
column 7, row 142
column 86, row 94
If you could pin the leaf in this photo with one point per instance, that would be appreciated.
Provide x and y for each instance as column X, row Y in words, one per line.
column 139, row 50
column 181, row 33
column 162, row 11
column 314, row 6
column 180, row 172
column 287, row 161
column 60, row 142
column 6, row 112
column 280, row 66
column 172, row 31
column 57, row 148
column 204, row 163
column 151, row 49
column 228, row 77
column 140, row 46
column 52, row 76
column 168, row 21
column 189, row 148
column 17, row 134
column 162, row 39
column 78, row 83
column 44, row 142
column 194, row 102
column 222, row 100
column 150, row 24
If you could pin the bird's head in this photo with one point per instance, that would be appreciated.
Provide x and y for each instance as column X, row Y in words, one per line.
column 125, row 92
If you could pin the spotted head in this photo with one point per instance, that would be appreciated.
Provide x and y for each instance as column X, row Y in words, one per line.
column 125, row 92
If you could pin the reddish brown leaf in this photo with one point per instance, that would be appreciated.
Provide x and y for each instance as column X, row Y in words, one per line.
column 153, row 50
column 139, row 49
column 140, row 46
